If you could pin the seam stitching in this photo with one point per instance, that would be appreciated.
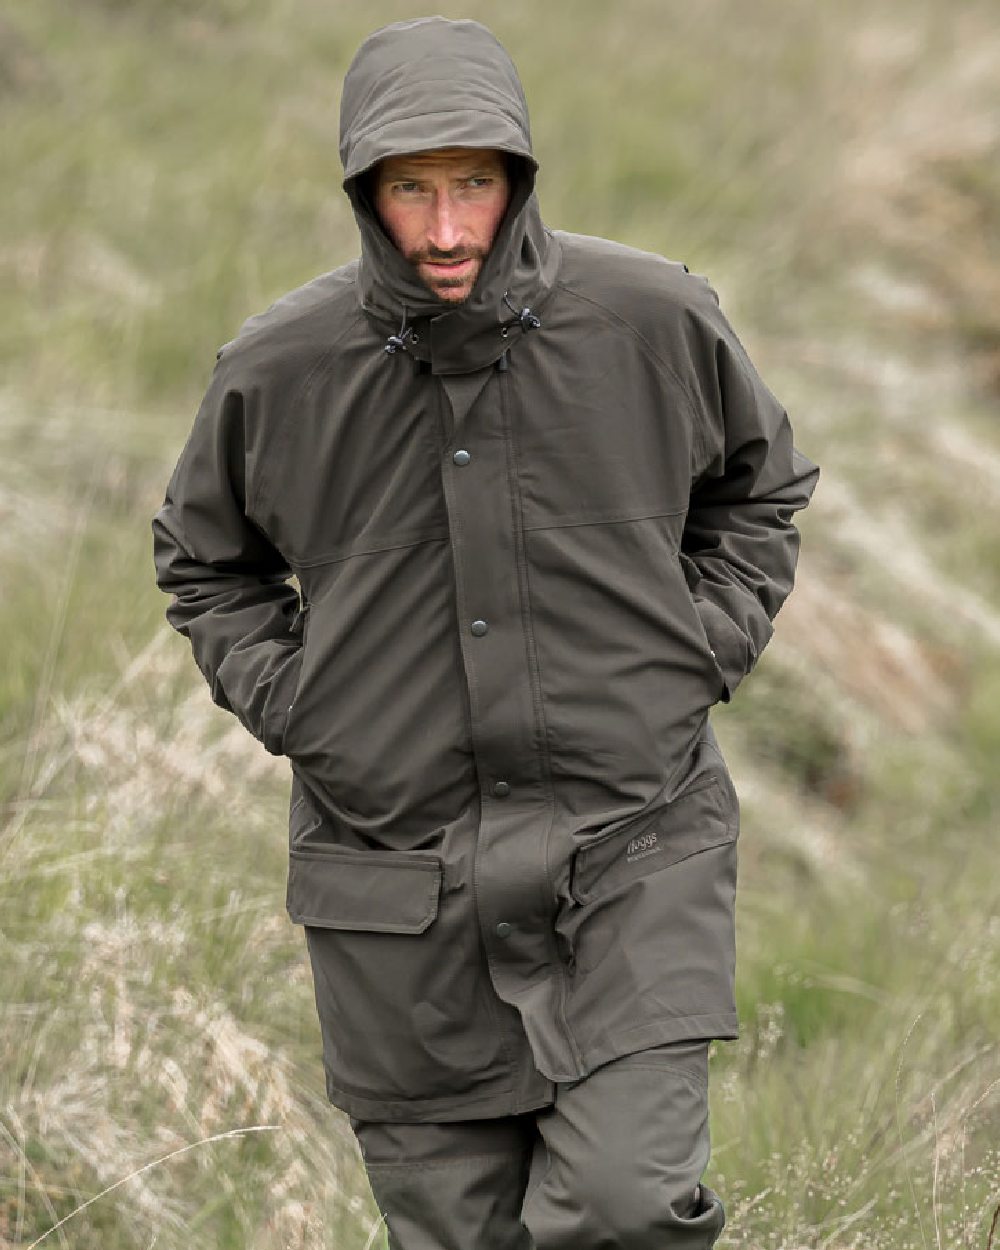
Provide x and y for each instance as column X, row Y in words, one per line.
column 612, row 315
column 623, row 520
column 258, row 496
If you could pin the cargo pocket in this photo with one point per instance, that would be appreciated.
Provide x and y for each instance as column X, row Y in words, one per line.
column 694, row 821
column 394, row 952
column 650, row 898
column 363, row 891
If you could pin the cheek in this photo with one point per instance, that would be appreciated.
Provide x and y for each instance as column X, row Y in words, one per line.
column 490, row 221
column 394, row 228
column 397, row 222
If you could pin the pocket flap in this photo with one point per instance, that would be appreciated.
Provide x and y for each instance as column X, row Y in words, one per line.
column 694, row 821
column 368, row 891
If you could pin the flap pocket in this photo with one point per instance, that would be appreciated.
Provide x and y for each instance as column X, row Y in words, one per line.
column 366, row 891
column 694, row 821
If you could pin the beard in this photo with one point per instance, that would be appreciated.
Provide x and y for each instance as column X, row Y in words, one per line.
column 442, row 282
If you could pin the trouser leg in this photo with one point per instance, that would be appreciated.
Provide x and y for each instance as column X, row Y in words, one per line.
column 621, row 1158
column 614, row 1164
column 450, row 1186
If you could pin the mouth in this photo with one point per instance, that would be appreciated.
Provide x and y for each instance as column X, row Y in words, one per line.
column 449, row 268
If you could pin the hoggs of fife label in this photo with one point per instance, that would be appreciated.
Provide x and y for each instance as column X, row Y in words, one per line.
column 641, row 846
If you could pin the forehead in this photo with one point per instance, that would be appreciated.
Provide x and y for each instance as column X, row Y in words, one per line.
column 443, row 159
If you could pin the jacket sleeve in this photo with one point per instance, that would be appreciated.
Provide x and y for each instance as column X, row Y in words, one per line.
column 231, row 595
column 739, row 546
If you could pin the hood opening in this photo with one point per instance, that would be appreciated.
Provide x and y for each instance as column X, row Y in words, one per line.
column 360, row 187
column 360, row 191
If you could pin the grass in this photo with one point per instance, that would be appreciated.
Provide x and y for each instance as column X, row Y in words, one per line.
column 169, row 169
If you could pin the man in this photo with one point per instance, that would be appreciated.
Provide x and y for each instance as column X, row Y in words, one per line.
column 539, row 508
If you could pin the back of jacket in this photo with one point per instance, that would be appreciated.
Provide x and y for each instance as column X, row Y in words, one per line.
column 512, row 836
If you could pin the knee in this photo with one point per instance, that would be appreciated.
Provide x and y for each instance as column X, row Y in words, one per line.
column 651, row 1213
column 614, row 1206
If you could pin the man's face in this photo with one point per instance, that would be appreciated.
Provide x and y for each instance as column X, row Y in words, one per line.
column 442, row 210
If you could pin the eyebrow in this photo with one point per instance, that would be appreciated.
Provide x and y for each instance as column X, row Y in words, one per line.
column 417, row 168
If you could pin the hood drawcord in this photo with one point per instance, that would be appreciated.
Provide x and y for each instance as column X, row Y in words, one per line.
column 526, row 319
column 398, row 342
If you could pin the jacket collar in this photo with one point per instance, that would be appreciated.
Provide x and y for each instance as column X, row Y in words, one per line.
column 518, row 274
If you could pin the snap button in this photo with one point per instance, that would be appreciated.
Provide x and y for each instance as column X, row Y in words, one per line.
column 461, row 457
column 479, row 628
column 501, row 789
column 503, row 929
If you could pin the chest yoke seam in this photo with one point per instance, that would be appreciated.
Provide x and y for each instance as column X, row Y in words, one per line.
column 604, row 520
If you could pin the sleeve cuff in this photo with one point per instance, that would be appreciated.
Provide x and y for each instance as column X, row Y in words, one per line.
column 729, row 646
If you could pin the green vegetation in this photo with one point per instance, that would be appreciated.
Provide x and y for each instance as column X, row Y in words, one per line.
column 169, row 169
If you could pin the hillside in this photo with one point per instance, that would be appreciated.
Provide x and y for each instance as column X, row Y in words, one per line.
column 170, row 167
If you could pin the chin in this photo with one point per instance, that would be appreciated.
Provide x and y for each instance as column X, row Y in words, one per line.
column 453, row 294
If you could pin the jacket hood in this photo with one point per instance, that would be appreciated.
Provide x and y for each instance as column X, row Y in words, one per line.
column 433, row 83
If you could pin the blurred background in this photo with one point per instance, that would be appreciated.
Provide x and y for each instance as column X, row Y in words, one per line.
column 169, row 168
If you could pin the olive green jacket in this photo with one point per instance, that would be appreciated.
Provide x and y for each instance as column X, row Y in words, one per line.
column 535, row 538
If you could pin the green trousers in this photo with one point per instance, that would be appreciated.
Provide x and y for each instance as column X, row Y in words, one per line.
column 614, row 1163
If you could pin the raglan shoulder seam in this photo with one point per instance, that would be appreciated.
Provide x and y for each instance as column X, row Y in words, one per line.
column 613, row 315
column 256, row 491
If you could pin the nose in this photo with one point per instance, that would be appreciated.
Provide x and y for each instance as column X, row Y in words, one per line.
column 444, row 232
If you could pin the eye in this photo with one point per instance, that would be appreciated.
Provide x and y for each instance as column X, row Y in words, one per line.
column 407, row 188
column 481, row 180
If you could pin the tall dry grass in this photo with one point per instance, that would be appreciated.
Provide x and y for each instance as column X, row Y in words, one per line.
column 168, row 169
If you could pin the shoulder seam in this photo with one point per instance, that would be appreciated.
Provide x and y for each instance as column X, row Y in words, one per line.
column 246, row 339
column 258, row 493
column 624, row 322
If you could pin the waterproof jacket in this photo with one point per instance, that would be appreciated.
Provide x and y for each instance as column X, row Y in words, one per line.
column 534, row 538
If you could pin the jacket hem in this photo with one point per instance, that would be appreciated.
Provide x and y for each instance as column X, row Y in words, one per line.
column 721, row 1026
column 487, row 1106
